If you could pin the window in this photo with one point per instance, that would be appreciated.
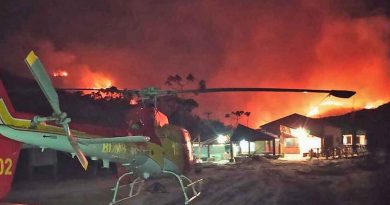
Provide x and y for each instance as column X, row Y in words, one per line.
column 361, row 140
column 347, row 139
column 291, row 142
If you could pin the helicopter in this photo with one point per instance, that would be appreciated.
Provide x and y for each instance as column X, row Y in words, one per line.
column 152, row 148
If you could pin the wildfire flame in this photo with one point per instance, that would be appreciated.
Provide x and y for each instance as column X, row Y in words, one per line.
column 133, row 102
column 373, row 105
column 306, row 141
column 332, row 103
column 102, row 83
column 324, row 107
column 60, row 73
column 95, row 80
column 313, row 111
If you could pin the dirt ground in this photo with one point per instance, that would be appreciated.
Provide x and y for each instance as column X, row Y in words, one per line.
column 252, row 181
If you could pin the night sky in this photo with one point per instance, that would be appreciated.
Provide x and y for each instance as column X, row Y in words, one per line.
column 331, row 44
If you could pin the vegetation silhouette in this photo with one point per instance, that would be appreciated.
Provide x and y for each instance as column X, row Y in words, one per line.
column 108, row 107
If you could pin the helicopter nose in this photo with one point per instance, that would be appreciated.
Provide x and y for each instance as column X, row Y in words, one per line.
column 154, row 162
column 149, row 168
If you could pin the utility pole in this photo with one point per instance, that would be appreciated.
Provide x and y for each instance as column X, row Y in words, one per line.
column 231, row 150
column 199, row 148
column 247, row 124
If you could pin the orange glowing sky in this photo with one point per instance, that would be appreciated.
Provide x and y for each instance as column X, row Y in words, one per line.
column 294, row 44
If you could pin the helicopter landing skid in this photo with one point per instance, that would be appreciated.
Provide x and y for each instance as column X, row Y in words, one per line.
column 137, row 183
column 185, row 184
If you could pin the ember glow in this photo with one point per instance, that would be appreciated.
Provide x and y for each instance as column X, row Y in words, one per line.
column 299, row 44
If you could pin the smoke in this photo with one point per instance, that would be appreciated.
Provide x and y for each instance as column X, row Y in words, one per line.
column 134, row 44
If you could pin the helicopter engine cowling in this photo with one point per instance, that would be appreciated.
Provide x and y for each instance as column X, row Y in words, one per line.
column 176, row 143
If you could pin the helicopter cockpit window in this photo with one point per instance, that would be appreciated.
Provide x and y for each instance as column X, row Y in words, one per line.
column 160, row 119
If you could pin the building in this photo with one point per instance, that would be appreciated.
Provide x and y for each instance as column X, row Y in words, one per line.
column 254, row 141
column 299, row 135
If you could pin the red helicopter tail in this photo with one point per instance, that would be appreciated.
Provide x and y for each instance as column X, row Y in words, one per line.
column 9, row 149
column 9, row 154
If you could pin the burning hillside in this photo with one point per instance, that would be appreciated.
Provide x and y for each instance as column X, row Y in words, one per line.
column 294, row 44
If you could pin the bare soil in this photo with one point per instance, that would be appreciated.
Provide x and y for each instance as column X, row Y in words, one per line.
column 252, row 181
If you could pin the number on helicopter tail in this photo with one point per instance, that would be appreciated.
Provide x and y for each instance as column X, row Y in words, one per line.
column 6, row 166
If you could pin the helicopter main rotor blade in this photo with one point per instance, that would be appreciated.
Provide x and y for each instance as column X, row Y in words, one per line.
column 335, row 93
column 154, row 92
column 44, row 82
column 73, row 142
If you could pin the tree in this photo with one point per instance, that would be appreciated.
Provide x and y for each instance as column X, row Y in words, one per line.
column 177, row 80
column 237, row 115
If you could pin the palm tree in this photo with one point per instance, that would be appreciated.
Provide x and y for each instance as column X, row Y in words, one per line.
column 247, row 117
column 237, row 114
